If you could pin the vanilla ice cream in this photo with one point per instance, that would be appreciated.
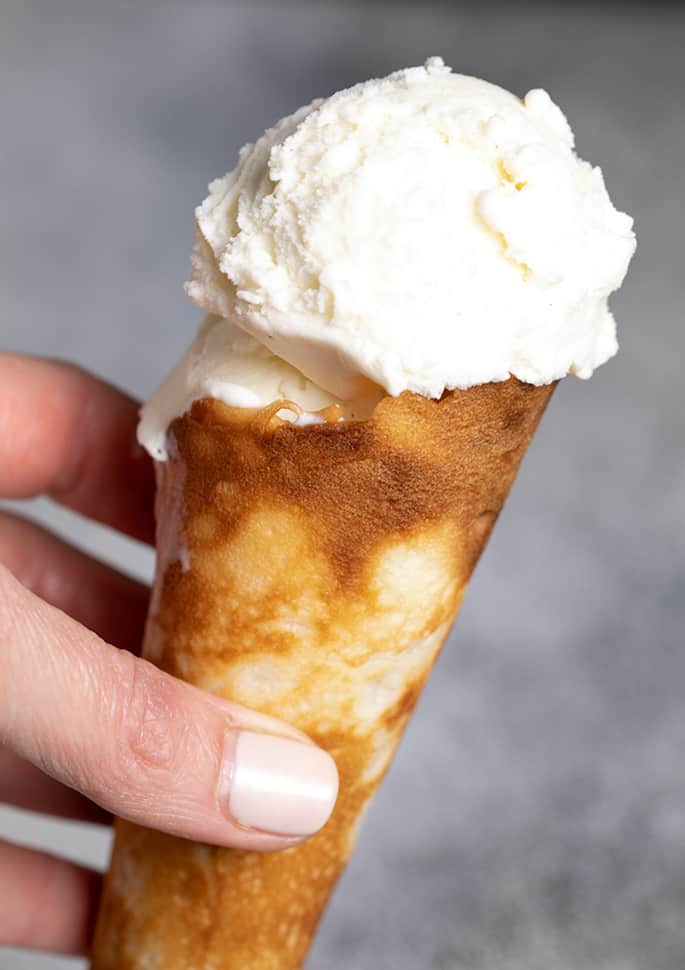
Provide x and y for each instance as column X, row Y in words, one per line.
column 227, row 364
column 423, row 232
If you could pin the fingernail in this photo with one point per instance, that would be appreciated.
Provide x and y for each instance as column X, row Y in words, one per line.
column 278, row 785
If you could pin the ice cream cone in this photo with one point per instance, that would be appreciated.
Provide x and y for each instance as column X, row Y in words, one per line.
column 312, row 572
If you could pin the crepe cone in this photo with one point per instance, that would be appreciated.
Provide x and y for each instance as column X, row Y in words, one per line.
column 320, row 572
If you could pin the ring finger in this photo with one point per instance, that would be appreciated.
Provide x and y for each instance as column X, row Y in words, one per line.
column 47, row 903
column 25, row 786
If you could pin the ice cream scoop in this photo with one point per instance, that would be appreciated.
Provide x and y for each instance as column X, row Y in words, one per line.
column 426, row 231
column 423, row 232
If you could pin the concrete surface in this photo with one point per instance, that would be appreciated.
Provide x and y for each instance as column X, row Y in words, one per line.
column 535, row 816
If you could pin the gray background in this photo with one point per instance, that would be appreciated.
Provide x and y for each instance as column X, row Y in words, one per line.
column 535, row 816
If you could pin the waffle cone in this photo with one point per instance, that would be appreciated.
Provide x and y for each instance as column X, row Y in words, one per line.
column 321, row 571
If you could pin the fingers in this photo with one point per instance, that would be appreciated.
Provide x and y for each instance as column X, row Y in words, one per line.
column 24, row 786
column 47, row 903
column 146, row 746
column 104, row 600
column 71, row 436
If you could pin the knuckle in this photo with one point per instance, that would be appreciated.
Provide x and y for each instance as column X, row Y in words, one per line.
column 151, row 735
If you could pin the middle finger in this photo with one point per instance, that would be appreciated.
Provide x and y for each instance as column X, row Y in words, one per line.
column 106, row 601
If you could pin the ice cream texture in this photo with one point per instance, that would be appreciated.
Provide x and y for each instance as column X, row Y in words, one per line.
column 425, row 232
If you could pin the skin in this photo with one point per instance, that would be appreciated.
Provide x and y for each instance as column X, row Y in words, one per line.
column 88, row 729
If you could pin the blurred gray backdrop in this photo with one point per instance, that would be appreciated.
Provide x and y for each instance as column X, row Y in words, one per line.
column 535, row 816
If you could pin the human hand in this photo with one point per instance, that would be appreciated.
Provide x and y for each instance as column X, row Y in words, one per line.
column 87, row 729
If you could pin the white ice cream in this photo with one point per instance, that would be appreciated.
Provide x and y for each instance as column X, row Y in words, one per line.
column 229, row 365
column 423, row 232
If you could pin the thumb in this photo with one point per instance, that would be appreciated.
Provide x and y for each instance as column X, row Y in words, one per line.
column 147, row 746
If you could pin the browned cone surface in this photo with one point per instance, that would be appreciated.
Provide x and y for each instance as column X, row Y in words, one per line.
column 320, row 572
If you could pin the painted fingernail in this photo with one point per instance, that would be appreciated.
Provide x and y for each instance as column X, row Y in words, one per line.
column 278, row 785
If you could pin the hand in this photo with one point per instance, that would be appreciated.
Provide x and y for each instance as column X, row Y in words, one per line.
column 86, row 728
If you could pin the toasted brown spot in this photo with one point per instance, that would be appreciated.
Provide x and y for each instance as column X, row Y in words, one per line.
column 404, row 706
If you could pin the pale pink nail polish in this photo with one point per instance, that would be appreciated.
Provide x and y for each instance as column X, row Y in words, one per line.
column 278, row 785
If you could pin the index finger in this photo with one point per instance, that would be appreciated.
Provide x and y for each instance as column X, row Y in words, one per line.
column 68, row 435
